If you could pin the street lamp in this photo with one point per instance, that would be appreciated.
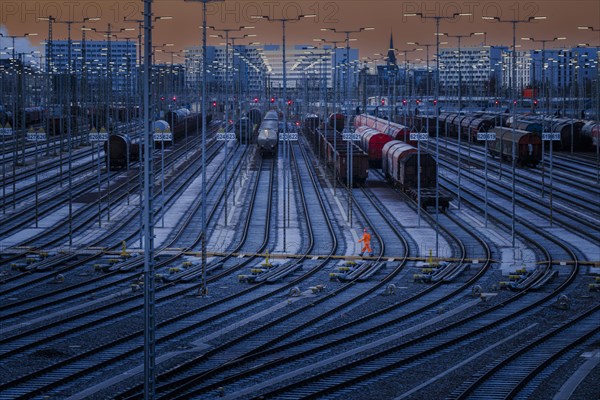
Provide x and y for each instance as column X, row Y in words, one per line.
column 286, row 141
column 514, row 23
column 68, row 112
column 157, row 48
column 591, row 28
column 543, row 73
column 437, row 19
column 227, row 102
column 149, row 306
column 335, row 102
column 109, row 34
column 350, row 144
column 140, row 23
column 13, row 37
column 203, row 289
column 459, row 66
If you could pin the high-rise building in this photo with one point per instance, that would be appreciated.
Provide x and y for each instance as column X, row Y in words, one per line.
column 115, row 59
column 246, row 66
column 480, row 70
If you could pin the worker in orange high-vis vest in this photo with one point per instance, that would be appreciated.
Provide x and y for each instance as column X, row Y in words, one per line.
column 366, row 239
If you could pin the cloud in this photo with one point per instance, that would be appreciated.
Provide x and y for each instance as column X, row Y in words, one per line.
column 22, row 45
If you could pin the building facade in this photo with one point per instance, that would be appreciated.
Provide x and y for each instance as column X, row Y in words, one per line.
column 480, row 70
column 114, row 61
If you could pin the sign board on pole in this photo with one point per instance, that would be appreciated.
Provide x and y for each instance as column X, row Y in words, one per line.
column 6, row 131
column 551, row 136
column 419, row 136
column 350, row 136
column 222, row 136
column 290, row 136
column 33, row 136
column 485, row 136
column 160, row 136
column 95, row 136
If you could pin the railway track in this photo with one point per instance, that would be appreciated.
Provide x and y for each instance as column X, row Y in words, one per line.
column 56, row 264
column 578, row 214
column 235, row 368
column 66, row 297
column 106, row 349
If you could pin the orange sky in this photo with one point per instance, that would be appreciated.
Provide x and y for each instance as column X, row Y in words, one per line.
column 19, row 17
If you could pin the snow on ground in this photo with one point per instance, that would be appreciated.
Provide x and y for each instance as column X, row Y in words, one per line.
column 44, row 223
column 293, row 232
column 117, row 214
column 20, row 184
column 349, row 240
column 587, row 246
column 222, row 237
column 511, row 258
column 408, row 218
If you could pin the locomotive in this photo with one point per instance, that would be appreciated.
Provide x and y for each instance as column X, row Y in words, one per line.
column 268, row 133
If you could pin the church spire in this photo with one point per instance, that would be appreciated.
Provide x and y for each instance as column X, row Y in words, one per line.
column 391, row 55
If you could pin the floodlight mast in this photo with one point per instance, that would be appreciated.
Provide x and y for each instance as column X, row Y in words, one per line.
column 437, row 19
column 286, row 142
column 514, row 23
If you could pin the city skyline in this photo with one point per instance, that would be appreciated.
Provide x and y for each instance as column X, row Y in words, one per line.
column 18, row 18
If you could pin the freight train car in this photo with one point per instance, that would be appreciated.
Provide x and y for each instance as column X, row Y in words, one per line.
column 123, row 149
column 336, row 121
column 400, row 165
column 372, row 142
column 571, row 135
column 339, row 158
column 330, row 148
column 591, row 129
column 310, row 123
column 394, row 130
column 528, row 146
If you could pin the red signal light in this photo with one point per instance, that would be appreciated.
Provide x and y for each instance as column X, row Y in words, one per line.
column 272, row 99
column 404, row 102
column 435, row 102
column 289, row 102
column 214, row 103
column 383, row 102
column 162, row 98
column 256, row 99
column 418, row 102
